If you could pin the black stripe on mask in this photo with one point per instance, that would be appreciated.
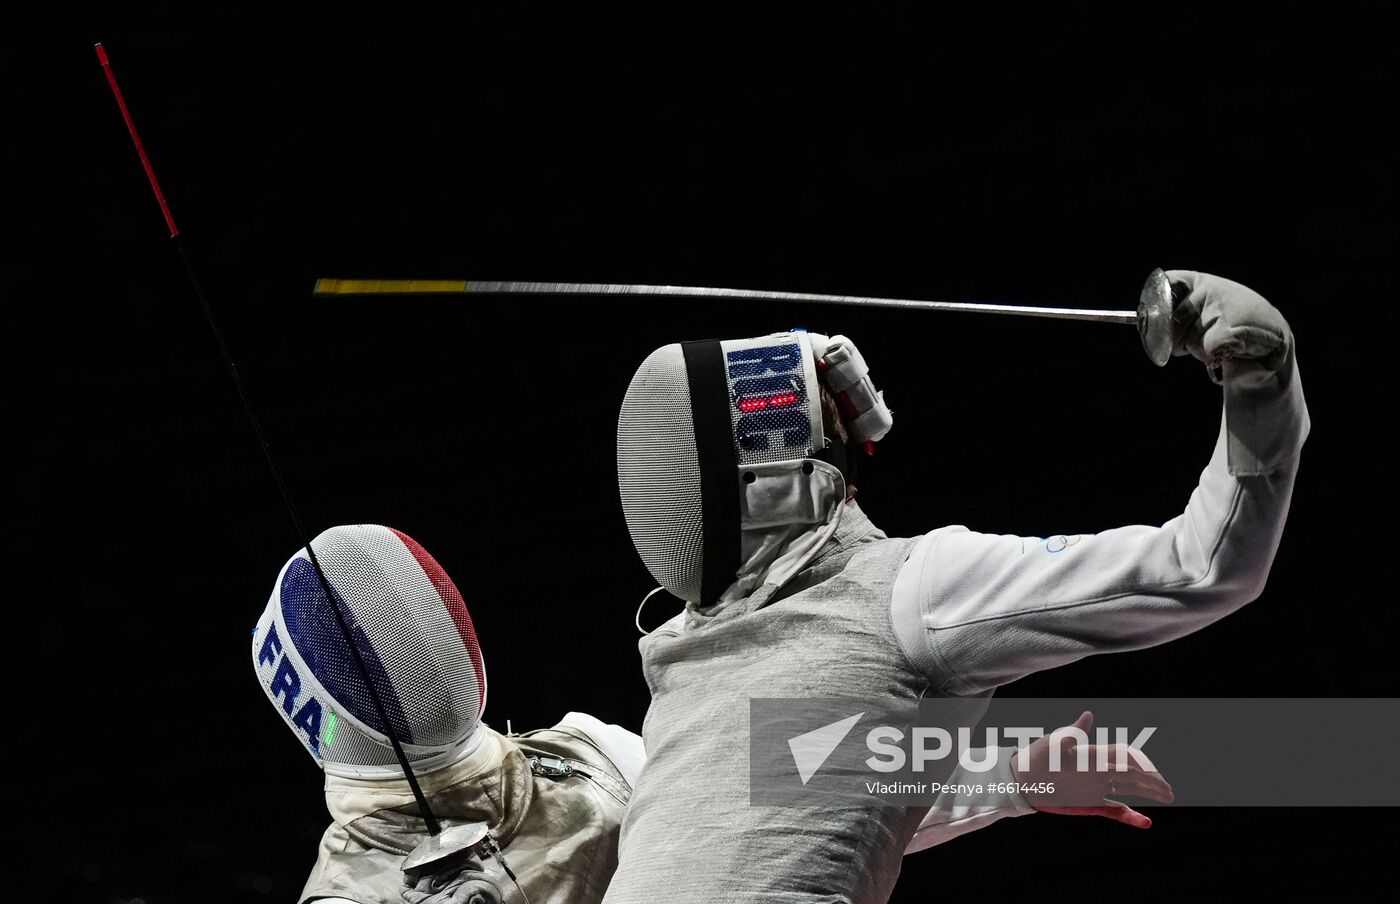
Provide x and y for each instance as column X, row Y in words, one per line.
column 719, row 478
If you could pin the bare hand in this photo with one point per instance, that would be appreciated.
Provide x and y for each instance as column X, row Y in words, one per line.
column 1075, row 785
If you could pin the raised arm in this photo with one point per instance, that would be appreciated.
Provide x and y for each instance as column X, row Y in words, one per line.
column 981, row 610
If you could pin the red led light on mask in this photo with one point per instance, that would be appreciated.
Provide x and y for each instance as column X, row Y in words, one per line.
column 781, row 400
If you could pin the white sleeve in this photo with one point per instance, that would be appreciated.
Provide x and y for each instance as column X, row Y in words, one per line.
column 963, row 810
column 617, row 743
column 976, row 611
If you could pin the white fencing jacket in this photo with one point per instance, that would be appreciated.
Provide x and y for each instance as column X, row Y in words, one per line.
column 954, row 613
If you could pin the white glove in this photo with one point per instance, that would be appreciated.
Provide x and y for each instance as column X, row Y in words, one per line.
column 1216, row 319
column 467, row 885
column 1248, row 349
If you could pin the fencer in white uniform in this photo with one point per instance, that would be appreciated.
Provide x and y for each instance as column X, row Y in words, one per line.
column 552, row 799
column 732, row 481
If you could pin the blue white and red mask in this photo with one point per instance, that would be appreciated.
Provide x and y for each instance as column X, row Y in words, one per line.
column 414, row 636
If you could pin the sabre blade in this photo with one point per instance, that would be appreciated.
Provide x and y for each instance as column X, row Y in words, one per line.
column 361, row 287
column 1153, row 316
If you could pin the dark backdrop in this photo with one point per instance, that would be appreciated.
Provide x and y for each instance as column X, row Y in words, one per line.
column 922, row 152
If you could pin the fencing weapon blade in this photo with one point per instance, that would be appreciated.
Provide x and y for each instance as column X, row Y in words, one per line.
column 1153, row 316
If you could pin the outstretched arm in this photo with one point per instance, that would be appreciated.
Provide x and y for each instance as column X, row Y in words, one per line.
column 957, row 813
column 979, row 610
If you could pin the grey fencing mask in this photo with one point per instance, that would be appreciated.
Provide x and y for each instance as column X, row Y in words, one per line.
column 720, row 450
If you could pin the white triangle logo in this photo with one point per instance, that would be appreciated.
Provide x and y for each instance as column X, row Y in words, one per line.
column 811, row 749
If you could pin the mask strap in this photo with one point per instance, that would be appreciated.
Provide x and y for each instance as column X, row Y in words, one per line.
column 714, row 450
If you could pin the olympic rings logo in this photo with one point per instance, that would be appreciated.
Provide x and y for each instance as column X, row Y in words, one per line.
column 1061, row 543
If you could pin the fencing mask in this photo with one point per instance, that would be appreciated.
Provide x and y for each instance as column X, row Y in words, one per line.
column 413, row 633
column 723, row 465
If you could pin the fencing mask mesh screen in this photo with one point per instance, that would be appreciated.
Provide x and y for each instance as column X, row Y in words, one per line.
column 413, row 633
column 658, row 472
column 694, row 416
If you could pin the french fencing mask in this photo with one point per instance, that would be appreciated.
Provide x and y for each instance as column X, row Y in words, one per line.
column 413, row 633
column 719, row 457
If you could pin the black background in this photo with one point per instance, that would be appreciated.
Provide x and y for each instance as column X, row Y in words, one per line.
column 918, row 151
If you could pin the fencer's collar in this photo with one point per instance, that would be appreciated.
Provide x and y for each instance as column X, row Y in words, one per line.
column 855, row 526
column 788, row 511
column 846, row 527
column 493, row 784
